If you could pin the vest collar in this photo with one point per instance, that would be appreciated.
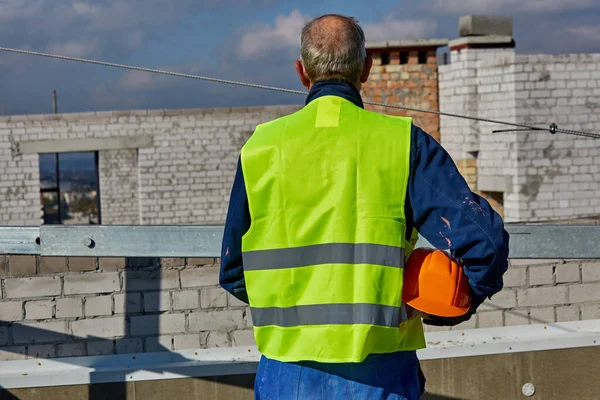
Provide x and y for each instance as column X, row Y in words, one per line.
column 335, row 87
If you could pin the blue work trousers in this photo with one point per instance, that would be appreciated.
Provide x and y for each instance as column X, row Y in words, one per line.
column 395, row 376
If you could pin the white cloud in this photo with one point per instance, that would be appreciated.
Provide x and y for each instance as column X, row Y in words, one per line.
column 285, row 35
column 10, row 9
column 102, row 97
column 134, row 39
column 577, row 38
column 75, row 48
column 507, row 6
column 138, row 81
column 399, row 29
column 114, row 26
column 589, row 33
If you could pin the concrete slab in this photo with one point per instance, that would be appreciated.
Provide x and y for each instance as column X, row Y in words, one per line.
column 478, row 25
column 496, row 183
column 482, row 41
column 90, row 144
column 407, row 44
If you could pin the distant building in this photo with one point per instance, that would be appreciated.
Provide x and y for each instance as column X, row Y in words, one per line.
column 177, row 166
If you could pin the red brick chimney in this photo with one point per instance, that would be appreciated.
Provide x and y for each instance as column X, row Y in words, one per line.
column 405, row 72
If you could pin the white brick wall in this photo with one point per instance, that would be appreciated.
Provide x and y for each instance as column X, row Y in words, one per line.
column 542, row 176
column 33, row 287
column 100, row 327
column 11, row 311
column 91, row 283
column 559, row 171
column 186, row 300
column 541, row 292
column 119, row 183
column 216, row 320
column 98, row 306
column 71, row 350
column 188, row 310
column 69, row 308
column 174, row 305
column 41, row 309
column 185, row 178
column 465, row 89
column 157, row 301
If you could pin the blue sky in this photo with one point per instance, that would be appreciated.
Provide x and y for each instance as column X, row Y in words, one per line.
column 250, row 40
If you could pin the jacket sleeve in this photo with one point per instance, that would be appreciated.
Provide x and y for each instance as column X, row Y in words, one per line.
column 451, row 217
column 231, row 276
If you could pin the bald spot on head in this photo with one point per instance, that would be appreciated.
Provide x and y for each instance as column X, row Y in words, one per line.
column 327, row 33
column 332, row 46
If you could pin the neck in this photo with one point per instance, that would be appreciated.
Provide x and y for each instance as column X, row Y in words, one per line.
column 358, row 87
column 335, row 87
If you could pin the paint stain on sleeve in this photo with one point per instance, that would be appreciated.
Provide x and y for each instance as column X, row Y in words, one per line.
column 448, row 241
column 474, row 206
column 446, row 222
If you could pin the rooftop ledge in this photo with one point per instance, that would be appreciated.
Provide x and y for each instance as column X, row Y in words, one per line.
column 393, row 44
column 244, row 360
column 481, row 40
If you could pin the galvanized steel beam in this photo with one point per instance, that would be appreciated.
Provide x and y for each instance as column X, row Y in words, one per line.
column 19, row 240
column 526, row 241
column 554, row 241
column 131, row 241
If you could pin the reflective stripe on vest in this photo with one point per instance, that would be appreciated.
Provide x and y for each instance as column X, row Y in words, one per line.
column 330, row 314
column 324, row 256
column 329, row 253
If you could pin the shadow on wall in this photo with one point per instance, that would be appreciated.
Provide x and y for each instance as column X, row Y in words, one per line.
column 4, row 395
column 236, row 387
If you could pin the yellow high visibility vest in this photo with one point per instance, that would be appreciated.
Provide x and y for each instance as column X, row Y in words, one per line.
column 324, row 255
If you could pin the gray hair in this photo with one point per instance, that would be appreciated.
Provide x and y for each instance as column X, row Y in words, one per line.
column 333, row 54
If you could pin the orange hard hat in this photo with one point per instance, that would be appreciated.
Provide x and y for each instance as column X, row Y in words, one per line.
column 435, row 284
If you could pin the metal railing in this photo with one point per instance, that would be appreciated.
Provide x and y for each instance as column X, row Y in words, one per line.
column 526, row 241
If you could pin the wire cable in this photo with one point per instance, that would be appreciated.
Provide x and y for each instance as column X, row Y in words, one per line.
column 553, row 128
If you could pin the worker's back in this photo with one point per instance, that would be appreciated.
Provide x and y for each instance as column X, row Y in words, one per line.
column 321, row 208
column 324, row 254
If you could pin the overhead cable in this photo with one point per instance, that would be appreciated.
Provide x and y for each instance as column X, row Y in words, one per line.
column 552, row 128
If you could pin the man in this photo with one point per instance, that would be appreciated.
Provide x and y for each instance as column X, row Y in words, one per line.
column 320, row 220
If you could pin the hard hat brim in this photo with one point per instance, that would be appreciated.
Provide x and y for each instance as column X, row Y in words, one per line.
column 437, row 309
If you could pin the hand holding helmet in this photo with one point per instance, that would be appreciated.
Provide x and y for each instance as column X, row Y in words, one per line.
column 436, row 285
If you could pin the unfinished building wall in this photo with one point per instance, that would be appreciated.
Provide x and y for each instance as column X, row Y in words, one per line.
column 119, row 187
column 527, row 176
column 559, row 175
column 466, row 89
column 77, row 306
column 155, row 167
column 531, row 176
